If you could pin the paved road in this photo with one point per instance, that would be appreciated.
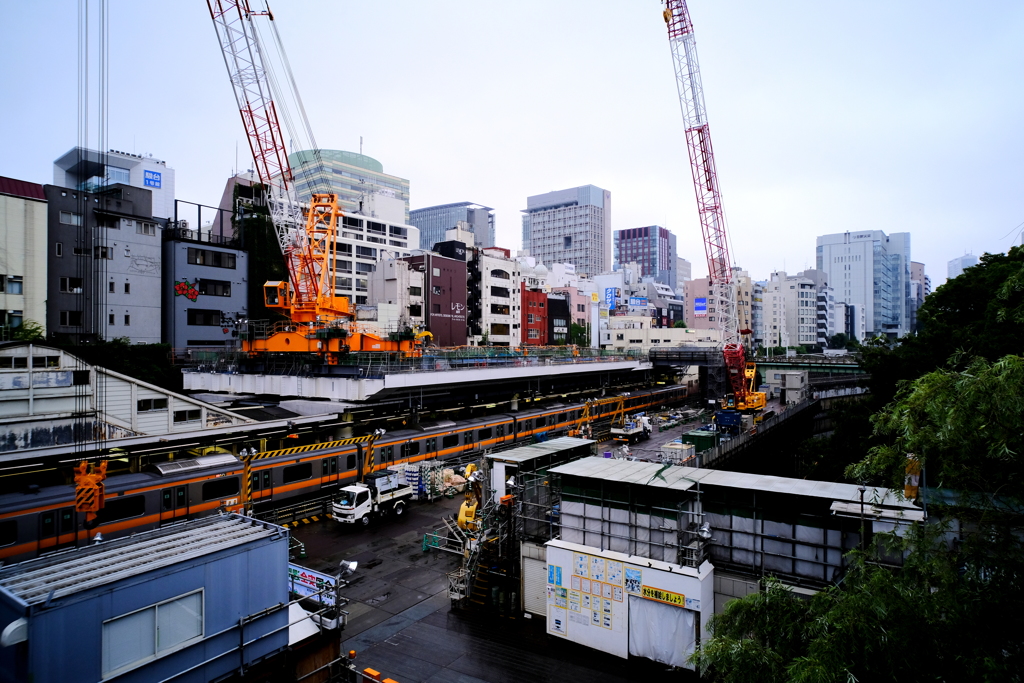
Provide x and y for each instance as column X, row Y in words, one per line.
column 401, row 622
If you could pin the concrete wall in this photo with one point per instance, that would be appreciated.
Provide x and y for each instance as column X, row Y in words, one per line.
column 23, row 254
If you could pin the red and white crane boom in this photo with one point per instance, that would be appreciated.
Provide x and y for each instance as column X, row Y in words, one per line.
column 709, row 198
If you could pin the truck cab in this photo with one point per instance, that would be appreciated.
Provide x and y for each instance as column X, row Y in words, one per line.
column 379, row 494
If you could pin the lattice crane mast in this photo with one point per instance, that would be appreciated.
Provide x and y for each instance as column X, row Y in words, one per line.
column 307, row 242
column 709, row 198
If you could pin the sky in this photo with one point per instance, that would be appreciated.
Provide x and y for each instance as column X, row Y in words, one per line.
column 825, row 117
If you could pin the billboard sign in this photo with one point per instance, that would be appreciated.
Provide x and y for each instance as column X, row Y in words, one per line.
column 700, row 307
column 637, row 301
column 308, row 583
column 609, row 297
column 151, row 178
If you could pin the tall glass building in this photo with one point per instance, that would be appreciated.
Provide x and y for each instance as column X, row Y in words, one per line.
column 434, row 221
column 353, row 176
column 653, row 248
column 872, row 270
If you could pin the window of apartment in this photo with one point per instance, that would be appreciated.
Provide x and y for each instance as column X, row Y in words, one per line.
column 68, row 218
column 12, row 284
column 374, row 227
column 214, row 287
column 103, row 252
column 127, row 319
column 191, row 415
column 71, row 318
column 364, row 267
column 343, row 266
column 152, row 632
column 127, row 288
column 343, row 282
column 435, row 308
column 203, row 316
column 80, row 251
column 435, row 290
column 500, row 329
column 500, row 309
column 13, row 318
column 619, row 337
column 209, row 257
column 58, row 249
column 396, row 243
column 350, row 222
column 396, row 231
column 360, row 300
column 567, row 242
column 146, row 405
column 366, row 252
column 540, row 304
column 345, row 249
column 362, row 284
column 499, row 291
column 71, row 285
column 142, row 228
column 500, row 274
column 415, row 291
column 110, row 287
column 415, row 310
column 533, row 334
column 529, row 318
column 110, row 319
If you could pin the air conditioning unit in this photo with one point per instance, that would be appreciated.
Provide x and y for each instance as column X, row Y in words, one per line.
column 183, row 225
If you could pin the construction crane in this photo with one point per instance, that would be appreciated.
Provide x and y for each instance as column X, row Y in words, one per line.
column 709, row 204
column 317, row 318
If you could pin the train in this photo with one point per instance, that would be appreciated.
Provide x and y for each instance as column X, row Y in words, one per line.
column 44, row 519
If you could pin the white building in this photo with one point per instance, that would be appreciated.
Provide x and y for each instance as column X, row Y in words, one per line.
column 363, row 242
column 22, row 255
column 396, row 288
column 89, row 170
column 958, row 265
column 570, row 226
column 47, row 395
column 873, row 270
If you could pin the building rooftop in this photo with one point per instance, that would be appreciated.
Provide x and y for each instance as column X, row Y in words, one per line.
column 527, row 453
column 21, row 188
column 684, row 478
column 79, row 569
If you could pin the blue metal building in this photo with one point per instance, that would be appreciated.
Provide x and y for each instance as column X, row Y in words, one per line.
column 196, row 601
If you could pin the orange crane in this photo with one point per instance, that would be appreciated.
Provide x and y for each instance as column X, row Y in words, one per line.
column 317, row 318
column 709, row 205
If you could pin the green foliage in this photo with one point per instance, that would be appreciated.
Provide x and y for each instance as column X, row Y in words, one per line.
column 679, row 324
column 963, row 425
column 578, row 335
column 838, row 341
column 29, row 331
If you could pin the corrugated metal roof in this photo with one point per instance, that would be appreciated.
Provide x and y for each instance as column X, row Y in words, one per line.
column 525, row 453
column 684, row 478
column 21, row 188
column 73, row 571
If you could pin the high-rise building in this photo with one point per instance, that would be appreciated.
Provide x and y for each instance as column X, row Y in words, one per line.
column 873, row 270
column 703, row 310
column 435, row 221
column 958, row 265
column 570, row 226
column 90, row 170
column 359, row 181
column 653, row 248
column 104, row 269
column 23, row 255
column 684, row 271
column 920, row 287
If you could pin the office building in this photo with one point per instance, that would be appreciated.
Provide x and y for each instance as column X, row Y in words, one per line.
column 920, row 288
column 684, row 270
column 653, row 248
column 445, row 294
column 873, row 270
column 89, row 170
column 435, row 221
column 359, row 181
column 22, row 255
column 570, row 226
column 104, row 278
column 703, row 310
column 958, row 265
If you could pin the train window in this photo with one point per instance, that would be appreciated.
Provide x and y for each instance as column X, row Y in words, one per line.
column 350, row 462
column 330, row 466
column 180, row 497
column 266, row 480
column 298, row 472
column 411, row 448
column 450, row 441
column 67, row 520
column 525, row 425
column 167, row 499
column 468, row 437
column 500, row 430
column 561, row 417
column 484, row 434
column 8, row 532
column 387, row 453
column 220, row 488
column 121, row 508
column 431, row 444
column 48, row 524
column 254, row 481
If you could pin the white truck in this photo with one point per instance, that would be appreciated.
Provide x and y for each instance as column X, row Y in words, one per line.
column 379, row 494
column 633, row 429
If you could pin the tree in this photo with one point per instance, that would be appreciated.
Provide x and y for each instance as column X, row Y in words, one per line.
column 679, row 324
column 838, row 341
column 578, row 335
column 29, row 331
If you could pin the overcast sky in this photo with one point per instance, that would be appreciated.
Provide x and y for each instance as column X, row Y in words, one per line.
column 825, row 116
